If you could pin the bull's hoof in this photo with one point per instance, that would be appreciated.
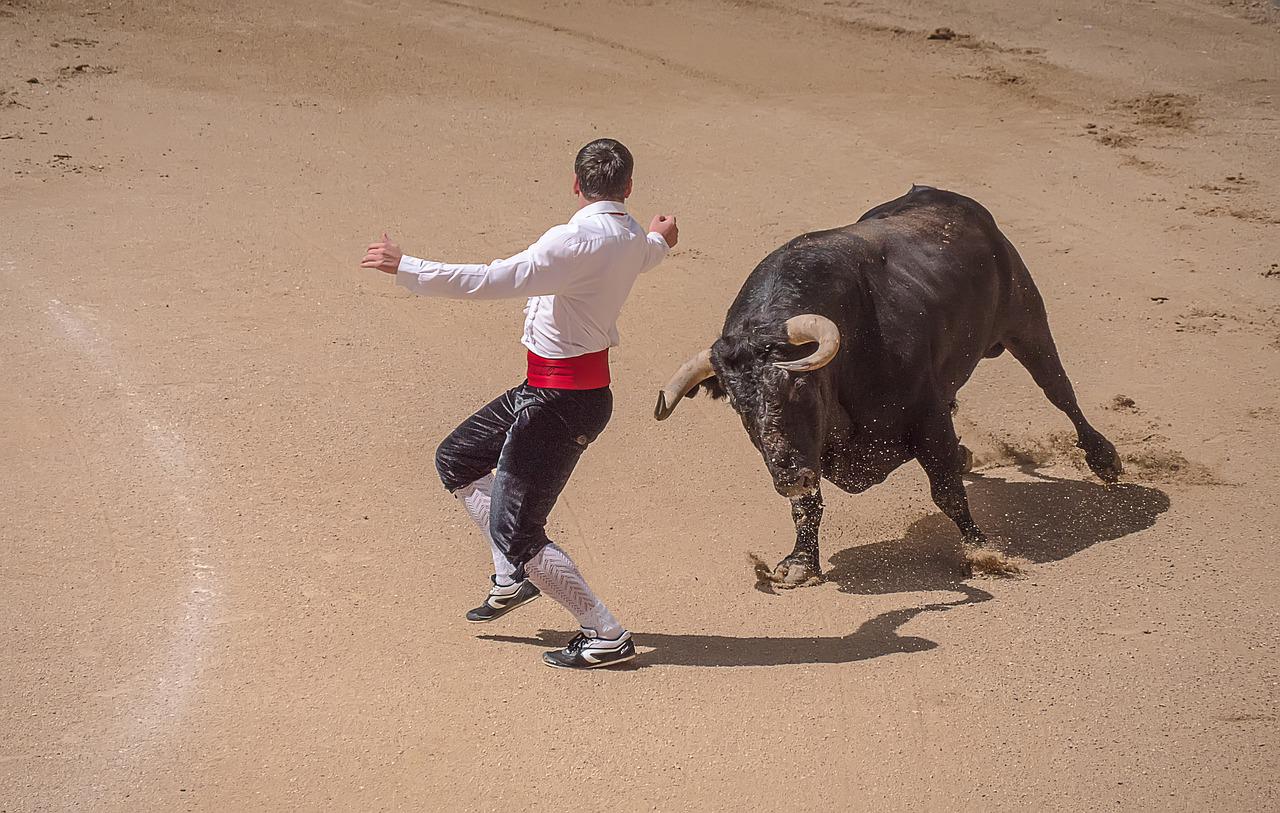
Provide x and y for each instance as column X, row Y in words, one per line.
column 788, row 575
column 1104, row 460
column 980, row 561
column 793, row 571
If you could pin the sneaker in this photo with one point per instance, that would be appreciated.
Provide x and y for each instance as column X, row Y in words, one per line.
column 503, row 600
column 589, row 652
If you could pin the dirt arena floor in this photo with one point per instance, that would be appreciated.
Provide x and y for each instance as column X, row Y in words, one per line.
column 230, row 580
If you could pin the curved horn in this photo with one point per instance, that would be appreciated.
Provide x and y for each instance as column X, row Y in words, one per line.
column 806, row 328
column 692, row 373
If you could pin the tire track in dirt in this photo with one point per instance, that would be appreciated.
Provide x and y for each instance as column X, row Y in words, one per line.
column 681, row 68
column 827, row 21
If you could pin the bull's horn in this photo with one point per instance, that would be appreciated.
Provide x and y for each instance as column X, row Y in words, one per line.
column 692, row 373
column 806, row 328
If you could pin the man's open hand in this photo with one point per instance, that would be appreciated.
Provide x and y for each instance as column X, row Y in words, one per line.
column 665, row 225
column 385, row 255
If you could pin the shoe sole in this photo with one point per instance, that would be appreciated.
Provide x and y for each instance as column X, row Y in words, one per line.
column 614, row 662
column 505, row 610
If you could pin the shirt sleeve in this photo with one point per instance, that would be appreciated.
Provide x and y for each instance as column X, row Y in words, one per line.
column 657, row 250
column 546, row 267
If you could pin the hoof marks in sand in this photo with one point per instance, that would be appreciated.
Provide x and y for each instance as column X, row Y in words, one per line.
column 987, row 562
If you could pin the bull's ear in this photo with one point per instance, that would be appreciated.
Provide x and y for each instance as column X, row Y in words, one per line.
column 711, row 386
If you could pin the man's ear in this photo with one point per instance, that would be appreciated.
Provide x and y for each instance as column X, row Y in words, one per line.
column 627, row 193
column 577, row 188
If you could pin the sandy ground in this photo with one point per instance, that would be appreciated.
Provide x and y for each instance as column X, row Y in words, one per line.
column 230, row 581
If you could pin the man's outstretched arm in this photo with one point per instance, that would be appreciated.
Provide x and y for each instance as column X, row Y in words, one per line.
column 662, row 237
column 543, row 268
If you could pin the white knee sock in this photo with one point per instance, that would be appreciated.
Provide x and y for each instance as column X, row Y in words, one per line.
column 555, row 574
column 475, row 501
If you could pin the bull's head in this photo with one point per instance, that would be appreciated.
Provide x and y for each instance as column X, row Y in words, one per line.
column 782, row 407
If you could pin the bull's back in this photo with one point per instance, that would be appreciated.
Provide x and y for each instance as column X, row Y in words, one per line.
column 925, row 282
column 948, row 283
column 935, row 243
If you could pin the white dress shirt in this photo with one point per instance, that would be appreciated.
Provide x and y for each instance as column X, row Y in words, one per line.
column 577, row 276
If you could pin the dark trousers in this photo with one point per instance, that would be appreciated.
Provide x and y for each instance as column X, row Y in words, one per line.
column 533, row 437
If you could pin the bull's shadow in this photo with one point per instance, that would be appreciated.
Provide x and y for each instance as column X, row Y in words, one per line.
column 1042, row 519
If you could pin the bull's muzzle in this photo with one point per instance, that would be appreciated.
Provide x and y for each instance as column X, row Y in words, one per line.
column 797, row 483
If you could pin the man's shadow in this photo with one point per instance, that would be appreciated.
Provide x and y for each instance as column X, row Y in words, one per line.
column 1044, row 520
column 875, row 637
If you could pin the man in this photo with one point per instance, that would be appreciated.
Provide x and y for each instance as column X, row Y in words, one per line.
column 508, row 463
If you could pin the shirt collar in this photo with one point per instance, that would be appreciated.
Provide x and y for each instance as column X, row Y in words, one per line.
column 600, row 207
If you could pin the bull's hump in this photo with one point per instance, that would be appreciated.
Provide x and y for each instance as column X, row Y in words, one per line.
column 925, row 202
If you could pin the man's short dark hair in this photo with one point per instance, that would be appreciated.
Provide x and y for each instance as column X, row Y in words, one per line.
column 604, row 169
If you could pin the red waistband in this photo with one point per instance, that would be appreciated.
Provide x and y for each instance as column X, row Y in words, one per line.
column 587, row 372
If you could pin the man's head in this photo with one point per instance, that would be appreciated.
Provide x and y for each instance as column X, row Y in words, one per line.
column 602, row 171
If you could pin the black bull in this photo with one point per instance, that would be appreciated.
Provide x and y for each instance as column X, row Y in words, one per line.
column 845, row 348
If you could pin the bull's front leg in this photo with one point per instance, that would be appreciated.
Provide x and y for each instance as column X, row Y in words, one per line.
column 802, row 567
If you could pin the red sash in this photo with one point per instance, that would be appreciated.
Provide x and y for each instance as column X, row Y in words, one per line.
column 587, row 372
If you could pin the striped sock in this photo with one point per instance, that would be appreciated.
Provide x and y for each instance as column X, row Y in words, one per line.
column 555, row 574
column 475, row 501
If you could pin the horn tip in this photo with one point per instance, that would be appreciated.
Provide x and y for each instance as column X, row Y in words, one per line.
column 661, row 411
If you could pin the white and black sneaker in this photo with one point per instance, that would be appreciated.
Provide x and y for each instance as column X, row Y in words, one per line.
column 503, row 600
column 586, row 651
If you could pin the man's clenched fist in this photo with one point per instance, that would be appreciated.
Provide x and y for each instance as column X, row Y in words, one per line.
column 666, row 226
column 385, row 255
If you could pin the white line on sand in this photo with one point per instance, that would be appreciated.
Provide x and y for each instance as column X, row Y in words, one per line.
column 176, row 666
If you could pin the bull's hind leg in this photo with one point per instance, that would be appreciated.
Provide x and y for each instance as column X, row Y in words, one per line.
column 1036, row 351
column 941, row 456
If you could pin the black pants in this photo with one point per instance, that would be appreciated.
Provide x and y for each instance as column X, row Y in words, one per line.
column 533, row 437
